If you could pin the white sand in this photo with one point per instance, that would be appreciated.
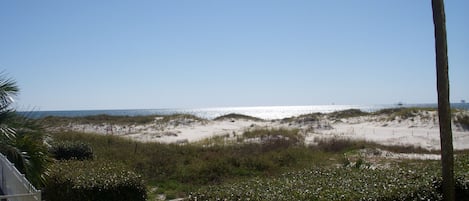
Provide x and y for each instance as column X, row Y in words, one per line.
column 419, row 131
column 428, row 138
column 173, row 132
column 198, row 131
column 422, row 131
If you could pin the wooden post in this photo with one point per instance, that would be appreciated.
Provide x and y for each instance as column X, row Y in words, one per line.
column 444, row 108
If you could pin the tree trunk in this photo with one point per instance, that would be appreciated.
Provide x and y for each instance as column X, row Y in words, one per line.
column 444, row 109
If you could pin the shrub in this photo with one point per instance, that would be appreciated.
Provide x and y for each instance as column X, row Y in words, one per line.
column 463, row 120
column 67, row 150
column 93, row 180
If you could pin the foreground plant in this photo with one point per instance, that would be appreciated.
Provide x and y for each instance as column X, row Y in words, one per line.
column 93, row 180
column 21, row 139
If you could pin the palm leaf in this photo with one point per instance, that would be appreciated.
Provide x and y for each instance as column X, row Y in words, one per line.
column 8, row 90
column 21, row 138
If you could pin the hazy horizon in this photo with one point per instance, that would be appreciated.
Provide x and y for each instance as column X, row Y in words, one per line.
column 90, row 55
column 387, row 105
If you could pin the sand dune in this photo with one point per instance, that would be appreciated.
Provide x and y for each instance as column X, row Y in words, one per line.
column 419, row 130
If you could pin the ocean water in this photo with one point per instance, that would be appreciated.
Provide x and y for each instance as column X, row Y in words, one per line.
column 264, row 112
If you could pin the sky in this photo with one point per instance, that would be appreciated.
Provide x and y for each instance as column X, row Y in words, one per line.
column 125, row 54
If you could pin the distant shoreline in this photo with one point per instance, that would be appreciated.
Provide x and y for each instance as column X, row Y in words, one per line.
column 263, row 112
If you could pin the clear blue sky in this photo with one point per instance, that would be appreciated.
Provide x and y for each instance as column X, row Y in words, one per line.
column 88, row 54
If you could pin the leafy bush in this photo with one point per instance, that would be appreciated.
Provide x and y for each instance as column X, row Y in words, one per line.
column 67, row 150
column 93, row 181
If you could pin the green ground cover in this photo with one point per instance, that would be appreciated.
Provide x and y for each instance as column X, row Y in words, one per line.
column 276, row 167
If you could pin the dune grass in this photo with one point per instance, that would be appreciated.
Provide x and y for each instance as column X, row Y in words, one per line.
column 176, row 170
column 54, row 121
column 234, row 116
column 463, row 121
column 347, row 113
column 345, row 144
column 212, row 168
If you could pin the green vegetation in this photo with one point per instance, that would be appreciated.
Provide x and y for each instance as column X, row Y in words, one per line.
column 273, row 164
column 287, row 136
column 177, row 170
column 463, row 121
column 303, row 118
column 409, row 182
column 98, row 119
column 402, row 112
column 347, row 114
column 341, row 145
column 233, row 116
column 21, row 139
column 169, row 118
column 66, row 150
column 54, row 121
column 93, row 180
column 281, row 166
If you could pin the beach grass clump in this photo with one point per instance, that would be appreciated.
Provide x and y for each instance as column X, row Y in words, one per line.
column 275, row 135
column 342, row 145
column 176, row 117
column 93, row 180
column 67, row 150
column 54, row 121
column 402, row 112
column 303, row 119
column 347, row 114
column 339, row 145
column 463, row 121
column 234, row 116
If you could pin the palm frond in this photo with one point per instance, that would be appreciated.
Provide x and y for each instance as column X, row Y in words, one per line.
column 6, row 130
column 8, row 90
column 36, row 157
column 14, row 155
column 21, row 138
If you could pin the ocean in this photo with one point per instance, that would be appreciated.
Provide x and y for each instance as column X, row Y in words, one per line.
column 263, row 112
